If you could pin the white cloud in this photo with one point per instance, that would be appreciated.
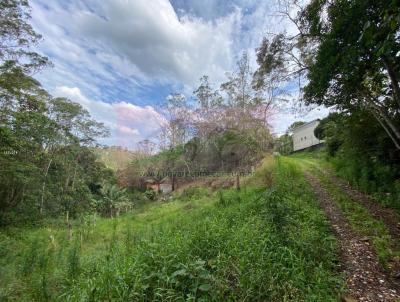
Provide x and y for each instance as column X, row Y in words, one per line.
column 137, row 40
column 128, row 123
column 163, row 47
column 281, row 120
column 118, row 50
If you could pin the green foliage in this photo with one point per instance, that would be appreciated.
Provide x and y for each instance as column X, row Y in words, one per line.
column 115, row 158
column 46, row 166
column 294, row 125
column 16, row 36
column 150, row 194
column 193, row 193
column 284, row 144
column 362, row 154
column 348, row 52
column 112, row 201
column 356, row 62
column 73, row 262
column 231, row 246
column 362, row 221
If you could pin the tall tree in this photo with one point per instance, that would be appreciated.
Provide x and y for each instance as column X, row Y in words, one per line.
column 17, row 37
column 348, row 50
column 45, row 164
column 357, row 63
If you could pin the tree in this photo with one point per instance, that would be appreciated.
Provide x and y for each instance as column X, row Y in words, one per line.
column 347, row 52
column 176, row 130
column 112, row 200
column 207, row 114
column 246, row 109
column 294, row 125
column 46, row 165
column 146, row 147
column 284, row 144
column 272, row 73
column 17, row 36
column 239, row 85
column 330, row 129
column 356, row 65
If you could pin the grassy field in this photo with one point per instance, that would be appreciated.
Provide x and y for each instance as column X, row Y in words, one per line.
column 267, row 242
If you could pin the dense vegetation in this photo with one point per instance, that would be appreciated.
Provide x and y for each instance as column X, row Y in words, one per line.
column 362, row 154
column 224, row 129
column 76, row 221
column 345, row 56
column 47, row 165
column 204, row 245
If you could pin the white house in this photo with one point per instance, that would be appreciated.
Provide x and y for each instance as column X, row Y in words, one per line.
column 303, row 136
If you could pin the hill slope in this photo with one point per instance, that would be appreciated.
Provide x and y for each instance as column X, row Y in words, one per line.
column 115, row 158
column 267, row 242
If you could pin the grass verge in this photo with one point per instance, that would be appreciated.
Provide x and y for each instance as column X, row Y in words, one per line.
column 257, row 244
column 358, row 216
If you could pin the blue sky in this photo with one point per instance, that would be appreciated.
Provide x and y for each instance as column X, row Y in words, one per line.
column 120, row 59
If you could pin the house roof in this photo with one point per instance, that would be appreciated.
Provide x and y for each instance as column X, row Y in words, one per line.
column 165, row 179
column 154, row 181
column 306, row 124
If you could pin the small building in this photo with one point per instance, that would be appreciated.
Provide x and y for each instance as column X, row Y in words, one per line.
column 303, row 136
column 166, row 185
column 163, row 186
column 152, row 184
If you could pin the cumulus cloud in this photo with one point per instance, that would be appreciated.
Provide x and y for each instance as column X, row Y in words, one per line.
column 142, row 50
column 161, row 45
column 139, row 41
column 281, row 120
column 128, row 123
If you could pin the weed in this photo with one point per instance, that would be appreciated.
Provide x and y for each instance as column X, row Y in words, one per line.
column 267, row 242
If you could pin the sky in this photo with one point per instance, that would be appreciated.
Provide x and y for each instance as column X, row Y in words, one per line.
column 120, row 59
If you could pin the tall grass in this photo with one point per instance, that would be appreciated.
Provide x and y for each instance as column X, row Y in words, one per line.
column 372, row 177
column 361, row 221
column 255, row 244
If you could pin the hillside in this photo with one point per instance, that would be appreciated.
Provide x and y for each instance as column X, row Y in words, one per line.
column 292, row 232
column 115, row 158
column 203, row 245
column 212, row 205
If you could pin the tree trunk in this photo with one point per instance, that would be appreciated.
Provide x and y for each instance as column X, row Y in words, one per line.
column 396, row 143
column 390, row 128
column 393, row 79
column 73, row 178
column 389, row 122
column 44, row 186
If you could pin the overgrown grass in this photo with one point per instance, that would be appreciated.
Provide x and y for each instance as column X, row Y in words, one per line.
column 362, row 221
column 370, row 177
column 257, row 244
column 359, row 217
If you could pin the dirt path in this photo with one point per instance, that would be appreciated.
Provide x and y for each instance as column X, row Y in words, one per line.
column 366, row 280
column 388, row 216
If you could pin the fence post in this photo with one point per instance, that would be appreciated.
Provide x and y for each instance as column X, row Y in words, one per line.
column 69, row 227
column 237, row 181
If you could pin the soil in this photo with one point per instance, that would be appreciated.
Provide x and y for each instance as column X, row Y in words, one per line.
column 387, row 215
column 366, row 279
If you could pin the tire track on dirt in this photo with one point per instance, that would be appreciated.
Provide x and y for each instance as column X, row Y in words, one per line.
column 387, row 215
column 366, row 280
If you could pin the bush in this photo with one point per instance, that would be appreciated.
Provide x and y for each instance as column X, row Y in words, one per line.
column 150, row 194
column 193, row 192
column 232, row 246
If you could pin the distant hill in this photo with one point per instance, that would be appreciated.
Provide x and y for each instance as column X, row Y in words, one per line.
column 115, row 158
